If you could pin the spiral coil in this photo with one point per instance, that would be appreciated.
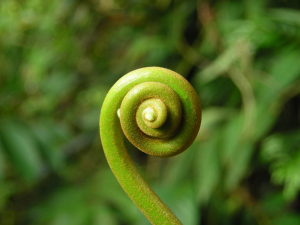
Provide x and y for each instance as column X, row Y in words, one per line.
column 159, row 112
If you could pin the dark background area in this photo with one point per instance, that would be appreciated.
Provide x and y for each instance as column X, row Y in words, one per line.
column 59, row 58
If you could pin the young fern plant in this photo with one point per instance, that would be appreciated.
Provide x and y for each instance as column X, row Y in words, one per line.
column 159, row 113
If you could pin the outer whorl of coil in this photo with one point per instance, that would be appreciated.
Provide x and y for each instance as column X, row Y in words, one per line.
column 160, row 113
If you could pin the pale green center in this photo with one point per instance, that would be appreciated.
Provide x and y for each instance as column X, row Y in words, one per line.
column 149, row 114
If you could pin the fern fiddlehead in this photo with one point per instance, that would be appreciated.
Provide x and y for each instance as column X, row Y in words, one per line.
column 160, row 113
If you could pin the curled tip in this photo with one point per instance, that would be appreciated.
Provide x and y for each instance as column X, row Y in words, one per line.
column 157, row 113
column 149, row 114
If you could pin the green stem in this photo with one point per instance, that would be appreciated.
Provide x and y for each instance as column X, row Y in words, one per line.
column 160, row 114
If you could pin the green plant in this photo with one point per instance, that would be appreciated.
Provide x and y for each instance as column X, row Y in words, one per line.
column 160, row 114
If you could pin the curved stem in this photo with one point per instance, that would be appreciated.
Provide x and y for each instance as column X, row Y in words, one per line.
column 111, row 136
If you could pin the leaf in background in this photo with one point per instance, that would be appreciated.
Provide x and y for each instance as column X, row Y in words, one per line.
column 6, row 191
column 21, row 149
column 290, row 16
column 282, row 151
column 286, row 21
column 207, row 167
column 86, row 203
column 103, row 215
column 287, row 219
column 277, row 209
column 274, row 203
column 213, row 116
column 143, row 46
column 239, row 166
column 236, row 152
column 176, row 20
column 115, row 196
column 179, row 167
column 219, row 66
column 272, row 148
column 2, row 163
column 287, row 173
column 285, row 68
column 63, row 207
column 46, row 138
column 266, row 94
column 181, row 200
column 58, row 85
column 231, row 132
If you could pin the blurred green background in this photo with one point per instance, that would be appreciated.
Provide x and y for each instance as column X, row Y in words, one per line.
column 59, row 58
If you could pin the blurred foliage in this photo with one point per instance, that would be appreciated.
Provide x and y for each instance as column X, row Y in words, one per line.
column 59, row 58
